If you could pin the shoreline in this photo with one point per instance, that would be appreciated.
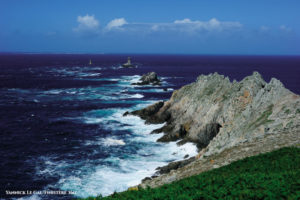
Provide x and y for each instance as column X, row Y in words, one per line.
column 152, row 79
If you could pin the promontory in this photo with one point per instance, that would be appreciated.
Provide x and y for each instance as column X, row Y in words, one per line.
column 228, row 121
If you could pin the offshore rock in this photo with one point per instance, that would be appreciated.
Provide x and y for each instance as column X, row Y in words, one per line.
column 149, row 78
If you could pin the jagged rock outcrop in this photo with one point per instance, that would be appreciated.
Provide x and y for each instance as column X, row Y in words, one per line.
column 216, row 113
column 149, row 78
column 222, row 116
column 150, row 113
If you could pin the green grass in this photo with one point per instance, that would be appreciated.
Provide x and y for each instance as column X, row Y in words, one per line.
column 274, row 175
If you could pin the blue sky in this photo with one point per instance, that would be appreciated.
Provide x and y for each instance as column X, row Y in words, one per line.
column 159, row 26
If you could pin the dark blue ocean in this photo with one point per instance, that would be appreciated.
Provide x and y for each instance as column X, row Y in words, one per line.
column 61, row 120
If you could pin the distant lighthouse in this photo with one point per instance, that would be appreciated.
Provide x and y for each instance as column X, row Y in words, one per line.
column 128, row 61
column 90, row 62
column 128, row 64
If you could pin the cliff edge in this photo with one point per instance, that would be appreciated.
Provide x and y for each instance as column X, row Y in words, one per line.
column 220, row 116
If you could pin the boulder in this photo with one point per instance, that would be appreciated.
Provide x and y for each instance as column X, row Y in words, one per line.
column 149, row 78
column 174, row 166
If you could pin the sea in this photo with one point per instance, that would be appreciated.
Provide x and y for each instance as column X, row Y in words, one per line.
column 63, row 133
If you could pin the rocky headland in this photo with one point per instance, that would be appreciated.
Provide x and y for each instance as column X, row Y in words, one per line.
column 227, row 121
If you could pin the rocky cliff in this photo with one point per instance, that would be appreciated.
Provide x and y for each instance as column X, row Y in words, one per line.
column 219, row 115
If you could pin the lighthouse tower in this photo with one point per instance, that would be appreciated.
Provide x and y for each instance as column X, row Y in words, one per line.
column 128, row 64
column 129, row 61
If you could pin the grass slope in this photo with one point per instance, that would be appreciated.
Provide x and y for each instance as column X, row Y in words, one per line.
column 274, row 175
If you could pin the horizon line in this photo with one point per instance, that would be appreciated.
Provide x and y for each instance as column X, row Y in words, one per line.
column 186, row 54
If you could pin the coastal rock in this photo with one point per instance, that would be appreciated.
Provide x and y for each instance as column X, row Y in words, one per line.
column 126, row 113
column 149, row 112
column 174, row 165
column 146, row 179
column 227, row 120
column 217, row 114
column 149, row 78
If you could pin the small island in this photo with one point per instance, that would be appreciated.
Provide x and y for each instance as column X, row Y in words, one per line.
column 149, row 78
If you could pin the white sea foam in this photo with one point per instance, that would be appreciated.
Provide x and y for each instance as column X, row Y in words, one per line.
column 126, row 81
column 53, row 91
column 106, row 142
column 125, row 167
column 92, row 120
column 122, row 172
column 112, row 79
column 128, row 171
column 113, row 142
column 89, row 74
column 76, row 71
column 131, row 79
column 50, row 167
column 90, row 93
column 134, row 96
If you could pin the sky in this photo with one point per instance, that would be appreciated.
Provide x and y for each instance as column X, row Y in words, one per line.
column 248, row 27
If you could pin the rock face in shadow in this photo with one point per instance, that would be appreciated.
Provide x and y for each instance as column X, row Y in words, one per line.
column 147, row 79
column 149, row 113
column 217, row 114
